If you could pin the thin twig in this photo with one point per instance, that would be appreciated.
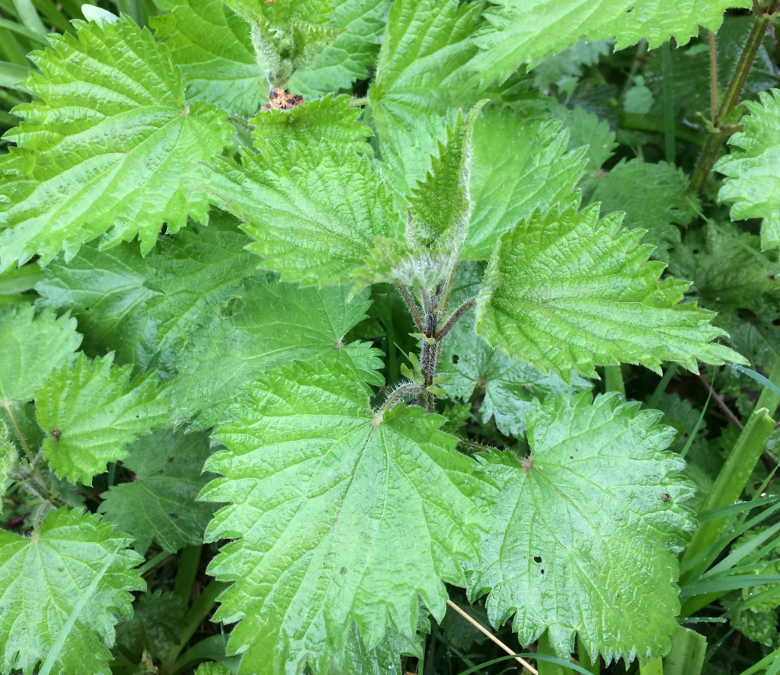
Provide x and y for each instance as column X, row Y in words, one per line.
column 714, row 78
column 456, row 315
column 492, row 637
column 412, row 305
column 721, row 403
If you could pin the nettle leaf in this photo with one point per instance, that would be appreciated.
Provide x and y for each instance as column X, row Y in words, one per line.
column 521, row 31
column 92, row 411
column 31, row 347
column 73, row 561
column 518, row 164
column 160, row 502
column 193, row 272
column 315, row 481
column 752, row 180
column 213, row 48
column 105, row 291
column 586, row 530
column 314, row 222
column 565, row 290
column 654, row 197
column 325, row 119
column 111, row 147
column 359, row 25
column 508, row 385
column 421, row 67
column 276, row 324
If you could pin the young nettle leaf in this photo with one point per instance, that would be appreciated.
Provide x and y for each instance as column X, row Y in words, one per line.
column 275, row 324
column 160, row 502
column 655, row 198
column 109, row 150
column 31, row 347
column 358, row 25
column 91, row 411
column 520, row 31
column 586, row 530
column 518, row 164
column 508, row 386
column 213, row 48
column 72, row 568
column 326, row 119
column 752, row 175
column 341, row 514
column 567, row 291
column 421, row 67
column 314, row 221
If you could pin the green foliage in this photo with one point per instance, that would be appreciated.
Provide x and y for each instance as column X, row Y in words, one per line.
column 73, row 564
column 213, row 48
column 548, row 304
column 341, row 290
column 160, row 502
column 263, row 334
column 114, row 163
column 91, row 411
column 655, row 198
column 595, row 515
column 751, row 168
column 31, row 347
column 309, row 438
column 519, row 31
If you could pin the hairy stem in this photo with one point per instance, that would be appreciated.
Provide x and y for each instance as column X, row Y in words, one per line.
column 454, row 318
column 412, row 306
column 18, row 430
column 242, row 121
column 714, row 78
column 406, row 389
column 709, row 153
column 359, row 102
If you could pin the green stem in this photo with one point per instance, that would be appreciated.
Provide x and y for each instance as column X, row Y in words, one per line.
column 657, row 125
column 193, row 618
column 731, row 481
column 652, row 667
column 188, row 570
column 668, row 92
column 709, row 153
column 151, row 564
column 613, row 380
column 543, row 646
column 584, row 659
column 660, row 390
column 769, row 399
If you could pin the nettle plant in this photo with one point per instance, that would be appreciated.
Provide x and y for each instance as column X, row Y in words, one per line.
column 216, row 219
